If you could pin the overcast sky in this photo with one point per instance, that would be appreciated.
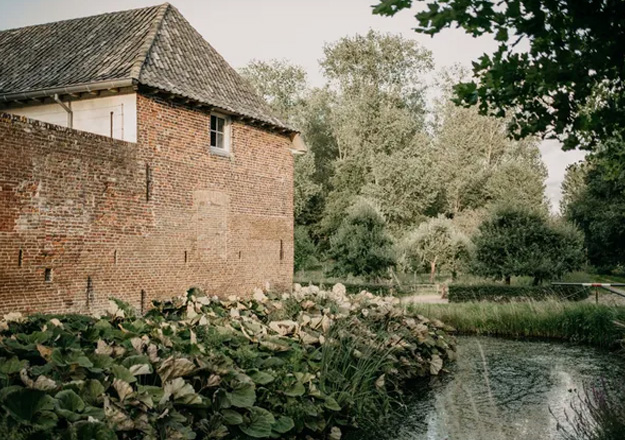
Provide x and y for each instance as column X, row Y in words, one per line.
column 296, row 30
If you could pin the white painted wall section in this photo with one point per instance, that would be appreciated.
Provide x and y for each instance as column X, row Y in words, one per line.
column 92, row 115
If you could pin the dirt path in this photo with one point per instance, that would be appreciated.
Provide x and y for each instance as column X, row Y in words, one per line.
column 425, row 299
column 607, row 298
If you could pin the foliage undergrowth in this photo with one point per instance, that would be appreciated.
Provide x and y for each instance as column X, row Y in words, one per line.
column 302, row 365
column 578, row 322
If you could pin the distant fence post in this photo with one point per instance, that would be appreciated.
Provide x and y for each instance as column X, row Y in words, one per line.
column 606, row 286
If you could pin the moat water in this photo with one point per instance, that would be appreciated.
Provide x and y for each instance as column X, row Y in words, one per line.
column 501, row 390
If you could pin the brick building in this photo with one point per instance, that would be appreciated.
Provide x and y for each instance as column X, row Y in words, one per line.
column 135, row 163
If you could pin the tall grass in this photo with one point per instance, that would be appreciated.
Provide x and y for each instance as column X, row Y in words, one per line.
column 352, row 369
column 584, row 323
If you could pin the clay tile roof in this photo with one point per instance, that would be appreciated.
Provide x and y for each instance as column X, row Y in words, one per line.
column 154, row 47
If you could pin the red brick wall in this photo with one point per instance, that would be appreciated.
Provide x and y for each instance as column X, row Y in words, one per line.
column 76, row 203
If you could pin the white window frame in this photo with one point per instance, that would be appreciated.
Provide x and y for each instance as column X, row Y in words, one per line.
column 227, row 144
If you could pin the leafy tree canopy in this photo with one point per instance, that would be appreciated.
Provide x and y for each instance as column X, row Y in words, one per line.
column 382, row 62
column 558, row 70
column 361, row 245
column 479, row 165
column 283, row 85
column 436, row 243
column 520, row 242
column 574, row 184
column 595, row 201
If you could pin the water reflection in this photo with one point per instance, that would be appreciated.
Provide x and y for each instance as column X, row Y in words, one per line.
column 501, row 389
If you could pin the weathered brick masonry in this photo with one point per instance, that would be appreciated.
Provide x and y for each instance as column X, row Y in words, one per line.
column 84, row 217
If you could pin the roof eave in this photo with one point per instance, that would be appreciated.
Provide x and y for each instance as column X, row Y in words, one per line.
column 201, row 104
column 66, row 90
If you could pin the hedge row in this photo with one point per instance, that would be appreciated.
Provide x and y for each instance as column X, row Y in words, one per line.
column 503, row 293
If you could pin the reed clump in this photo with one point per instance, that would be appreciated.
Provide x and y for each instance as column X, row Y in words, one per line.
column 579, row 322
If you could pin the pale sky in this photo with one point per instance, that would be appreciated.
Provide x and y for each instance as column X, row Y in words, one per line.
column 296, row 30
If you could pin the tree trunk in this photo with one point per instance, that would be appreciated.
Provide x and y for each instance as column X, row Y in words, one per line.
column 507, row 280
column 432, row 271
column 536, row 281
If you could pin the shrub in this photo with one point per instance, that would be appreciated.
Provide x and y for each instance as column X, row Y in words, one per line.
column 204, row 368
column 361, row 246
column 305, row 253
column 504, row 293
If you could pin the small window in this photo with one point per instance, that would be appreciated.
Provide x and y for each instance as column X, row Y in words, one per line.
column 220, row 133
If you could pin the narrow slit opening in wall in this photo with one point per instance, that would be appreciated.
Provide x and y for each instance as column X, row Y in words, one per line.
column 148, row 182
column 142, row 304
column 89, row 291
column 47, row 274
column 281, row 250
column 20, row 258
column 115, row 256
column 239, row 255
column 186, row 257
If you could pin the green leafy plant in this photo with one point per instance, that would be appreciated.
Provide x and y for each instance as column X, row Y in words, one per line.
column 205, row 368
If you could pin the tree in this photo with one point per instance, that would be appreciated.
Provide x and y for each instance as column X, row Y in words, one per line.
column 385, row 63
column 405, row 185
column 520, row 242
column 377, row 121
column 305, row 190
column 361, row 246
column 283, row 85
column 598, row 208
column 574, row 184
column 479, row 165
column 437, row 244
column 558, row 69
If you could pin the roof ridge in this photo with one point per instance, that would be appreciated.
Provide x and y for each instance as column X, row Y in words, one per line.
column 79, row 18
column 137, row 65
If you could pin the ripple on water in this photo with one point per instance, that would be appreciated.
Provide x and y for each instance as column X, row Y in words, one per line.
column 501, row 389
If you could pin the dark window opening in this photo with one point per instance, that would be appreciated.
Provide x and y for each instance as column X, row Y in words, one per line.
column 239, row 255
column 47, row 274
column 281, row 250
column 115, row 256
column 186, row 256
column 218, row 132
column 20, row 257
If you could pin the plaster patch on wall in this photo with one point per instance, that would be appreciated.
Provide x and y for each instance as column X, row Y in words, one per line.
column 211, row 220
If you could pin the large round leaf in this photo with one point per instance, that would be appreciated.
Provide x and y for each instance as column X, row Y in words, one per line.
column 260, row 422
column 243, row 395
column 31, row 407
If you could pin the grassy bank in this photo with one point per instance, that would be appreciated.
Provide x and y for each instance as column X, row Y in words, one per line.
column 584, row 323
